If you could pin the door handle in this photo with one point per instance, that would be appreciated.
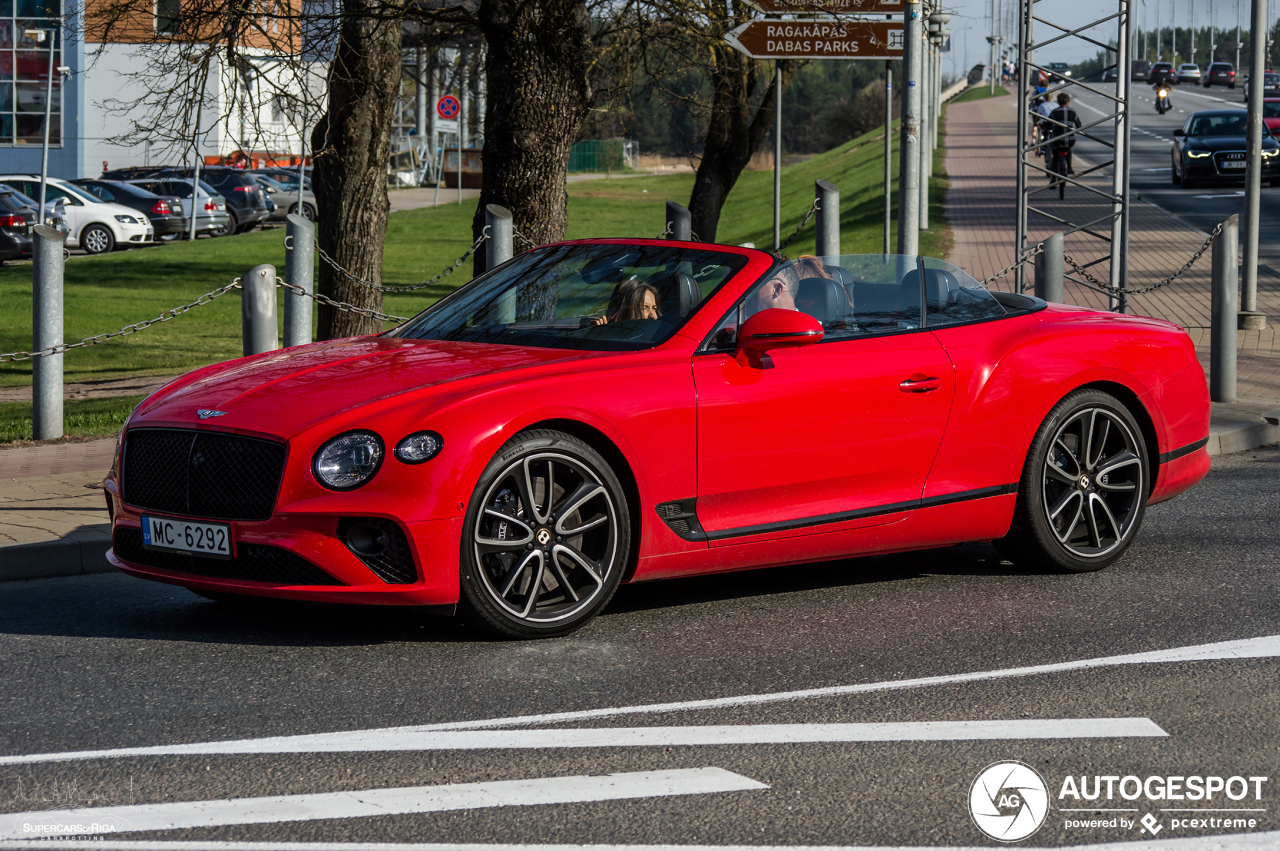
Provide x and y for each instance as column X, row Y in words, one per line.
column 920, row 385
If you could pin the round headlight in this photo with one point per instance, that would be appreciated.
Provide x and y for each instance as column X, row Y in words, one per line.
column 419, row 446
column 348, row 460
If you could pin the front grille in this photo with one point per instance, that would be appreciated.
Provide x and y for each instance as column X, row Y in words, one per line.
column 394, row 565
column 252, row 563
column 202, row 473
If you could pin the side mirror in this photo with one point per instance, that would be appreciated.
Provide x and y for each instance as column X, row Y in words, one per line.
column 1179, row 132
column 776, row 328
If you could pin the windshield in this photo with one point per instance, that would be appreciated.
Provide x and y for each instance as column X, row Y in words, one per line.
column 79, row 193
column 596, row 297
column 1271, row 109
column 263, row 179
column 1223, row 124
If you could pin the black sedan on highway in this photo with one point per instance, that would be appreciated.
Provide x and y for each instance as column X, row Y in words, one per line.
column 1210, row 147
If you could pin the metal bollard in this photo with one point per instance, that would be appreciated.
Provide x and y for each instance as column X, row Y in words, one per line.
column 499, row 247
column 827, row 221
column 679, row 222
column 1224, row 304
column 1049, row 270
column 258, row 309
column 46, row 331
column 299, row 270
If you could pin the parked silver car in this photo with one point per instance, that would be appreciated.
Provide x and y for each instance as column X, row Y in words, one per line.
column 212, row 217
column 286, row 197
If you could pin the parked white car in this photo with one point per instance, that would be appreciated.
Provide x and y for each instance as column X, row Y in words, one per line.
column 94, row 225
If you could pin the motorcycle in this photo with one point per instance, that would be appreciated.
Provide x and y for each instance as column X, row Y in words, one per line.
column 1162, row 100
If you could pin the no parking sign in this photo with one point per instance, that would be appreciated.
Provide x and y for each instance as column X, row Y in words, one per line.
column 448, row 107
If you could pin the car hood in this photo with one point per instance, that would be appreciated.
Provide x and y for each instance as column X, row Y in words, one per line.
column 283, row 392
column 1224, row 143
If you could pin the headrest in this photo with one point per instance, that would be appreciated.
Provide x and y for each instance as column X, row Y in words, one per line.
column 678, row 295
column 822, row 298
column 941, row 287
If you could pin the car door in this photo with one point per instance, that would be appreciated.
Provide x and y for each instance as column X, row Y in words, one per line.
column 73, row 207
column 831, row 436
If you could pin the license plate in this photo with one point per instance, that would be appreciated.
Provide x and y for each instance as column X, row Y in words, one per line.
column 1234, row 164
column 184, row 536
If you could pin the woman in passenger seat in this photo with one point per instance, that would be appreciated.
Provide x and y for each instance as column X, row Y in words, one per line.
column 631, row 300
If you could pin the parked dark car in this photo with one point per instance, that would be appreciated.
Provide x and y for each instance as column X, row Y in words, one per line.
column 1163, row 72
column 211, row 208
column 1219, row 74
column 166, row 212
column 1211, row 146
column 1109, row 75
column 1270, row 86
column 16, row 221
column 246, row 202
column 1140, row 70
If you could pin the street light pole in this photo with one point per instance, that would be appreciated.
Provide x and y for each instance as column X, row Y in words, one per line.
column 39, row 36
column 1249, row 316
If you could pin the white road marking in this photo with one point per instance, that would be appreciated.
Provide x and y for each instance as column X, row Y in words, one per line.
column 380, row 802
column 1264, row 841
column 1249, row 648
column 1229, row 195
column 419, row 739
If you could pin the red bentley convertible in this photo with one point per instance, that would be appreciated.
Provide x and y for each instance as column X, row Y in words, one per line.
column 608, row 411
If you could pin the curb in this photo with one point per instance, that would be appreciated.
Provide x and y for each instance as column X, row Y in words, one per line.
column 1225, row 440
column 55, row 558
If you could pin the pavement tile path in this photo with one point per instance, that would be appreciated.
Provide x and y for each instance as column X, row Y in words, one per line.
column 981, row 207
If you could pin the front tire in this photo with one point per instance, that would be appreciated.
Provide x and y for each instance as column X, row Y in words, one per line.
column 546, row 537
column 97, row 239
column 1084, row 487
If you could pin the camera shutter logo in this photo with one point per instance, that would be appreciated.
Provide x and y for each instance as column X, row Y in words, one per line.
column 1008, row 801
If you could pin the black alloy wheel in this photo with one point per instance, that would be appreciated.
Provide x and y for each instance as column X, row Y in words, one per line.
column 1084, row 487
column 546, row 539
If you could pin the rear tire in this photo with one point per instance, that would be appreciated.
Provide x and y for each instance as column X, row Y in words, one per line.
column 546, row 538
column 227, row 229
column 1084, row 487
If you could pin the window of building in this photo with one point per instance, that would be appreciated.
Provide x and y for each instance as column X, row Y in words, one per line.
column 30, row 36
column 168, row 16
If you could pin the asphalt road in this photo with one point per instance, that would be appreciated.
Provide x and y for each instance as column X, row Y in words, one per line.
column 1151, row 140
column 105, row 662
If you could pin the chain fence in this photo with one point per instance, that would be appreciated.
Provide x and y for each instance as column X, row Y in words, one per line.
column 421, row 285
column 1107, row 288
column 12, row 357
column 1090, row 280
column 808, row 217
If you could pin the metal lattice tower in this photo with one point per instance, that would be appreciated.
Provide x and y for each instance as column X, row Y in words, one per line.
column 1108, row 230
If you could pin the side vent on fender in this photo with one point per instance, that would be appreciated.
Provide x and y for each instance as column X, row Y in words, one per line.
column 681, row 517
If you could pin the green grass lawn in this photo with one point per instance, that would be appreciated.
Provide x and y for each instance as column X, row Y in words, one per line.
column 106, row 293
column 80, row 417
column 979, row 92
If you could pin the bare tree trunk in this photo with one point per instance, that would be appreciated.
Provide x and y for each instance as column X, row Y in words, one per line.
column 538, row 94
column 352, row 143
column 734, row 133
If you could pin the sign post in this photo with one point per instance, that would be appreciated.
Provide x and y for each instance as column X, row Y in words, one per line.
column 817, row 38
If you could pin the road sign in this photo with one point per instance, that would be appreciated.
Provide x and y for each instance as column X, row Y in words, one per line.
column 448, row 106
column 829, row 7
column 818, row 38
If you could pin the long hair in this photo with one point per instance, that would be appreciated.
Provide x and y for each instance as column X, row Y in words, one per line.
column 628, row 300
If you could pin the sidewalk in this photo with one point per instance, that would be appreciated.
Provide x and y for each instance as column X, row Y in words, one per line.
column 981, row 209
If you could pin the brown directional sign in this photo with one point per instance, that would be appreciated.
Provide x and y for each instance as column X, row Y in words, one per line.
column 818, row 38
column 829, row 7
